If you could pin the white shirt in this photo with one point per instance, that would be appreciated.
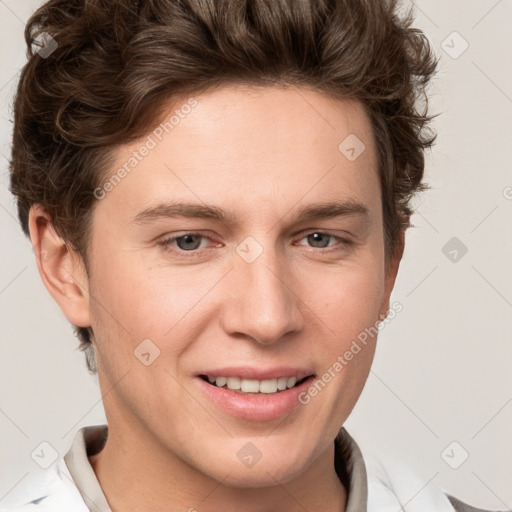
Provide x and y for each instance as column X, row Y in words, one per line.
column 70, row 484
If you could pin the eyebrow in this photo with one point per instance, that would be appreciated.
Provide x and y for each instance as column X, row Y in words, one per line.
column 172, row 209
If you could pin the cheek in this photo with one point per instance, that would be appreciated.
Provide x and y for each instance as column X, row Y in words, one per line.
column 348, row 305
column 345, row 307
column 140, row 300
column 348, row 299
column 170, row 307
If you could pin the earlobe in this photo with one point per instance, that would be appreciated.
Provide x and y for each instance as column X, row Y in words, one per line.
column 61, row 269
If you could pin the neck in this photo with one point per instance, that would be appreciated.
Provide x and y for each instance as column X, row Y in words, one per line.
column 134, row 479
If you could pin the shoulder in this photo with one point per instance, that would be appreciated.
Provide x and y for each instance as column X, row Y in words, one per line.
column 460, row 506
column 392, row 483
column 50, row 491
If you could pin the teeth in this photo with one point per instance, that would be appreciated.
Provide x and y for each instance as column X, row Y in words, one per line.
column 268, row 386
column 253, row 385
column 291, row 382
column 250, row 386
column 221, row 381
column 281, row 383
column 234, row 383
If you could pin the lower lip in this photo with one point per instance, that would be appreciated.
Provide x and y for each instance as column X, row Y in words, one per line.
column 256, row 407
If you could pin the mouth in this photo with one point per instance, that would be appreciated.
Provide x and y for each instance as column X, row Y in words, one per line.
column 245, row 386
column 256, row 394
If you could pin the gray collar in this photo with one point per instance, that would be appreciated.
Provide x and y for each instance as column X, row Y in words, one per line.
column 90, row 440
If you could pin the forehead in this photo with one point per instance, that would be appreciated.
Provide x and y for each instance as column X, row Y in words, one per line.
column 264, row 122
column 250, row 147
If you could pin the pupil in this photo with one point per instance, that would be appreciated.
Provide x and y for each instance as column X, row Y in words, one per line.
column 189, row 239
column 317, row 236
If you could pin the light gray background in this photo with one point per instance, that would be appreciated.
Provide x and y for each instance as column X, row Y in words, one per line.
column 442, row 372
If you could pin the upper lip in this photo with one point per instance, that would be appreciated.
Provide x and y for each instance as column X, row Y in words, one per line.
column 248, row 372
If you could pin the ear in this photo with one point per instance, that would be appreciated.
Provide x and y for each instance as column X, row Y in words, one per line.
column 61, row 269
column 391, row 271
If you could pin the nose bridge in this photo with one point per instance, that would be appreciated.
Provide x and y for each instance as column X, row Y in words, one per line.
column 264, row 305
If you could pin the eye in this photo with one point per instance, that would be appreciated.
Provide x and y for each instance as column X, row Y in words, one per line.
column 320, row 240
column 191, row 243
column 187, row 242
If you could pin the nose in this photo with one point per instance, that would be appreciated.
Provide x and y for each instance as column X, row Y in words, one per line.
column 263, row 303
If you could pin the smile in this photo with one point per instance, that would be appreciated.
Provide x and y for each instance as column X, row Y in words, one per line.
column 255, row 394
column 253, row 386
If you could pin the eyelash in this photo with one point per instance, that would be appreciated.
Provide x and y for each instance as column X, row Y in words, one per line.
column 166, row 244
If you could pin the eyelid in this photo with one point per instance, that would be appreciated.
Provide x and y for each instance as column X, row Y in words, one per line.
column 166, row 242
column 324, row 232
column 341, row 239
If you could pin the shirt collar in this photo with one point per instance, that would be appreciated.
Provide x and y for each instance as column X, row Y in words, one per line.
column 88, row 441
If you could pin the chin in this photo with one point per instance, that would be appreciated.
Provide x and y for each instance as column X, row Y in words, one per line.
column 273, row 467
column 260, row 476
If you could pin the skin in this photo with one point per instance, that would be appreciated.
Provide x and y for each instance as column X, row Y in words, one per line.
column 260, row 154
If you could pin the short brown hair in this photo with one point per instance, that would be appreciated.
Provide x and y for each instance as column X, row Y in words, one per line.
column 117, row 63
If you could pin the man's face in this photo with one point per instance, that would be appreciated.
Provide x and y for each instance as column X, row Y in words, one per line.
column 256, row 295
